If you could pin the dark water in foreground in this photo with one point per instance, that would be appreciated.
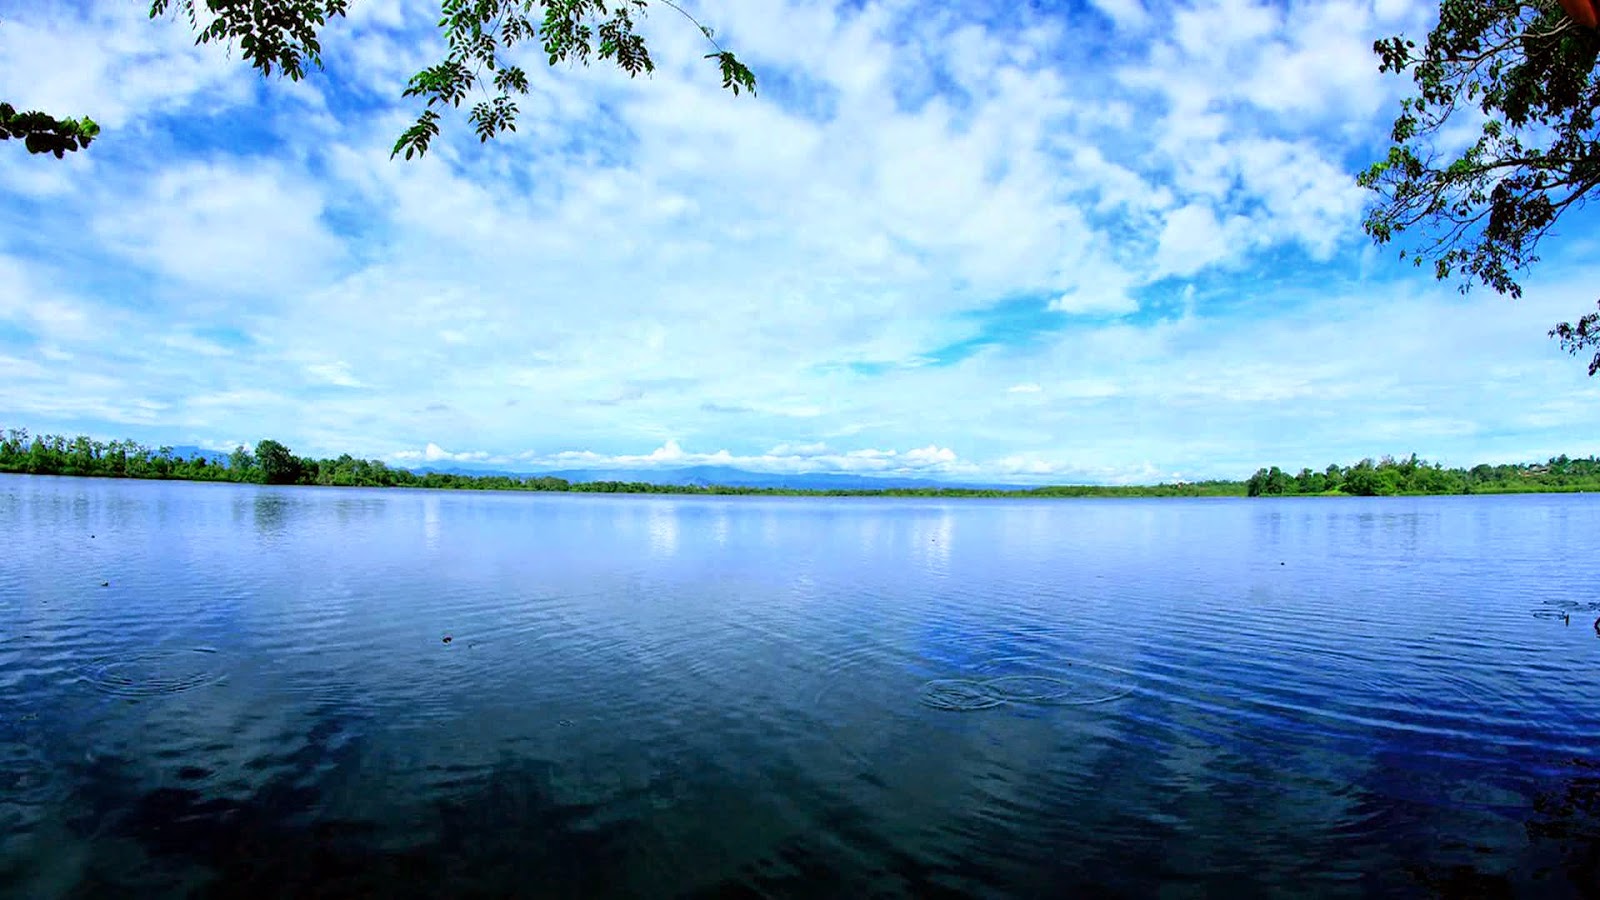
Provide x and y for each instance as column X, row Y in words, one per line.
column 746, row 697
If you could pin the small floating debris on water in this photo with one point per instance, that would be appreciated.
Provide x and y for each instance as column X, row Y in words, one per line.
column 105, row 584
column 448, row 639
column 565, row 723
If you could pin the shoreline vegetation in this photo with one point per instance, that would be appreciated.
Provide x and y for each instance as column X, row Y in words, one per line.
column 273, row 463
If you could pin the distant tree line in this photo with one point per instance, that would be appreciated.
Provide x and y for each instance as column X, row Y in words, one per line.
column 270, row 463
column 1389, row 476
column 273, row 463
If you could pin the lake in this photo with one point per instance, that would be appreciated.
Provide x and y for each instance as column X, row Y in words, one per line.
column 231, row 691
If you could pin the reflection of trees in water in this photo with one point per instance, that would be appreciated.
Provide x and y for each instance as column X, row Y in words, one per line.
column 357, row 509
column 500, row 834
column 1569, row 821
column 1125, row 814
column 270, row 510
column 1462, row 881
column 1559, row 858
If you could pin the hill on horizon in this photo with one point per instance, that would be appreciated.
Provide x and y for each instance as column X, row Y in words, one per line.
column 678, row 476
column 722, row 476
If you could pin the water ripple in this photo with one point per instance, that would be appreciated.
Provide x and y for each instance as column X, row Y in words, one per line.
column 729, row 697
column 154, row 673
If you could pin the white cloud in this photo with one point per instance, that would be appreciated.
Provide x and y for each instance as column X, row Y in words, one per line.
column 123, row 67
column 1192, row 239
column 1096, row 288
column 1068, row 253
column 929, row 461
column 930, row 456
column 238, row 229
column 433, row 453
column 816, row 449
column 335, row 373
column 1129, row 14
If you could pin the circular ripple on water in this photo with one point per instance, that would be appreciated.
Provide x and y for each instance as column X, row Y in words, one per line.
column 959, row 695
column 154, row 673
column 1050, row 683
column 1030, row 688
column 1057, row 691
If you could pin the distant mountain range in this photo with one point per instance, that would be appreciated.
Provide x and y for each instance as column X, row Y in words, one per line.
column 190, row 452
column 724, row 476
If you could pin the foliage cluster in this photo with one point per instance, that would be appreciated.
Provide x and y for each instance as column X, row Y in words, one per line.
column 1389, row 476
column 44, row 133
column 273, row 463
column 284, row 37
column 269, row 463
column 1517, row 79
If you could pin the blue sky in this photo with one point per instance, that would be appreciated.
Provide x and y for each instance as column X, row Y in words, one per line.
column 1094, row 242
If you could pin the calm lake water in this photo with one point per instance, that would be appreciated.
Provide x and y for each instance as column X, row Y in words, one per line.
column 667, row 696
